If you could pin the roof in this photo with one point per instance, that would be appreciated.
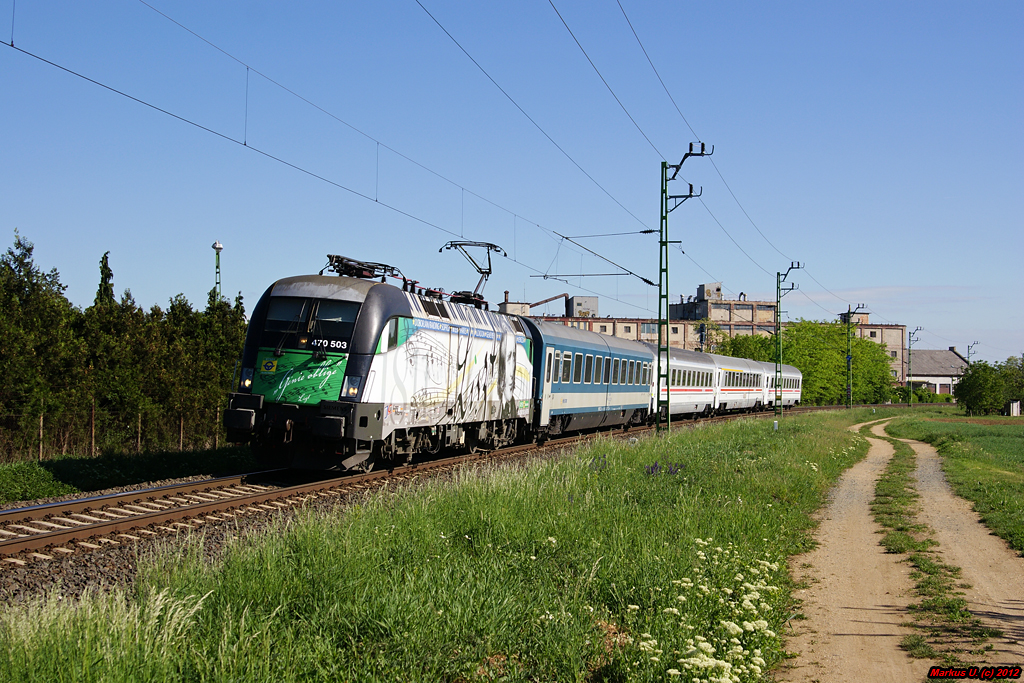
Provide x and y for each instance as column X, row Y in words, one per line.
column 571, row 334
column 324, row 287
column 939, row 363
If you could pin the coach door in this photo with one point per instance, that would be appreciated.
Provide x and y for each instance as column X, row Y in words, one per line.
column 548, row 396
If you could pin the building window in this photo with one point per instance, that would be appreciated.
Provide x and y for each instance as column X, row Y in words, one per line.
column 604, row 328
column 627, row 329
column 873, row 333
column 892, row 353
column 893, row 373
column 675, row 330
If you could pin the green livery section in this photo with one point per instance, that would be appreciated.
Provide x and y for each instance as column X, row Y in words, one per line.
column 296, row 377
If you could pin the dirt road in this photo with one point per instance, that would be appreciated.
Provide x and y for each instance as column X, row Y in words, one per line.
column 994, row 572
column 859, row 594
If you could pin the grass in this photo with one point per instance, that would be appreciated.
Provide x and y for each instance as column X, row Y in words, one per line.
column 942, row 617
column 984, row 463
column 69, row 474
column 661, row 559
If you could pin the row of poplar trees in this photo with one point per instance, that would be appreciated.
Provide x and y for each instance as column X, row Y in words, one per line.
column 112, row 377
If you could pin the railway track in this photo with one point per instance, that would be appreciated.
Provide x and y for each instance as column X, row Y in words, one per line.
column 44, row 532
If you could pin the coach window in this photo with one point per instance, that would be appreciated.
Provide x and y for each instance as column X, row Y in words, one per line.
column 608, row 376
column 566, row 367
column 577, row 371
column 622, row 371
column 557, row 370
column 588, row 369
column 598, row 368
column 615, row 371
column 547, row 371
column 632, row 368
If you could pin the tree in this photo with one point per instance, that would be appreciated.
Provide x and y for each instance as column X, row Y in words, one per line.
column 981, row 389
column 752, row 346
column 1013, row 376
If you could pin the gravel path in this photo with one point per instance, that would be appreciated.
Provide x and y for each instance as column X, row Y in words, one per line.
column 994, row 571
column 858, row 595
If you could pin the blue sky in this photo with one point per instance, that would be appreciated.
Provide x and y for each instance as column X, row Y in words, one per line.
column 878, row 143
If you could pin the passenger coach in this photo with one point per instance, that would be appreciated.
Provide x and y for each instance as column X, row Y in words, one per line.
column 588, row 380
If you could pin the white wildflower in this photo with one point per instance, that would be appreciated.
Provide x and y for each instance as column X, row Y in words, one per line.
column 732, row 628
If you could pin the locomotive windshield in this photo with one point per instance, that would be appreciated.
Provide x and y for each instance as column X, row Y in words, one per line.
column 315, row 324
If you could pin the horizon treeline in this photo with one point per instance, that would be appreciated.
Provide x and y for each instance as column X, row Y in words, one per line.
column 112, row 374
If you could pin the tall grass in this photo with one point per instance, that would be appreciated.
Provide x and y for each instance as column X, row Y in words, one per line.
column 661, row 559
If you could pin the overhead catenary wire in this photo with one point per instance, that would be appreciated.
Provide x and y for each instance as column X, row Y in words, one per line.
column 528, row 117
column 279, row 160
column 603, row 80
column 607, row 260
column 502, row 90
column 379, row 144
column 719, row 172
column 228, row 138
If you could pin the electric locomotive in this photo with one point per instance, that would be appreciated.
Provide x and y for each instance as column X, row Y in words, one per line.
column 341, row 371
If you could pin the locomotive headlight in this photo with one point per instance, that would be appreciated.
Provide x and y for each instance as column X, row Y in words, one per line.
column 303, row 340
column 351, row 386
column 246, row 379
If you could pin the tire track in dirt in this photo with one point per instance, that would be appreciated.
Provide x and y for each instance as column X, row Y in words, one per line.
column 994, row 571
column 858, row 595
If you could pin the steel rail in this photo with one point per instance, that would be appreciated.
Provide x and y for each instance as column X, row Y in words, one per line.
column 58, row 537
column 74, row 505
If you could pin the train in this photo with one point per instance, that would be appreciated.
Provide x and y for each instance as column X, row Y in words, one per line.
column 346, row 371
